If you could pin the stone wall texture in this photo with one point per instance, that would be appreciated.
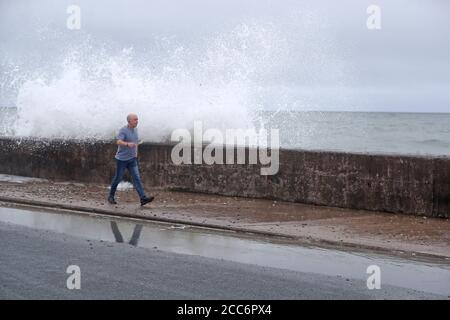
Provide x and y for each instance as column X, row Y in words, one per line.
column 392, row 183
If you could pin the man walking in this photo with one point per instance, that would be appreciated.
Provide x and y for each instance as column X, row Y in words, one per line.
column 126, row 158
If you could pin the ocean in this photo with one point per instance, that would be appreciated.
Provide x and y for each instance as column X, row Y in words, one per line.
column 372, row 132
column 224, row 63
column 368, row 132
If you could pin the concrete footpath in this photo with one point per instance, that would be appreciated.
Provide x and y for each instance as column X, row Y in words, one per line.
column 405, row 235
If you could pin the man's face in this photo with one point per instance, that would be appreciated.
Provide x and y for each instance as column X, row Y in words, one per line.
column 133, row 121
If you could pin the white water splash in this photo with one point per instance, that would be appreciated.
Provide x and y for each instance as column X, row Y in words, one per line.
column 91, row 96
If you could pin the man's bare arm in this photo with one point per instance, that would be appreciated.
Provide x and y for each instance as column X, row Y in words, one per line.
column 126, row 144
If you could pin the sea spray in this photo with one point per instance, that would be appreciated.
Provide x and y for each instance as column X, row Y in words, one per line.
column 91, row 95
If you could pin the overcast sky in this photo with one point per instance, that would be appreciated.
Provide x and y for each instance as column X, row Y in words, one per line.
column 329, row 52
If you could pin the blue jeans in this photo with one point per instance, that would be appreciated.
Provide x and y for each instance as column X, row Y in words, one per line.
column 133, row 169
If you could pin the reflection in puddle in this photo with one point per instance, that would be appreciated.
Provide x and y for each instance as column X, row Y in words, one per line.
column 429, row 277
column 118, row 236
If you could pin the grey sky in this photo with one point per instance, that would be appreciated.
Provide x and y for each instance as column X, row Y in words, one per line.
column 332, row 60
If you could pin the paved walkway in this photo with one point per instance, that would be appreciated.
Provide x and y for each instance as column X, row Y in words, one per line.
column 404, row 235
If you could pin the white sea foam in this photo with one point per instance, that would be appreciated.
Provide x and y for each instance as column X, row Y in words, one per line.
column 82, row 85
column 218, row 82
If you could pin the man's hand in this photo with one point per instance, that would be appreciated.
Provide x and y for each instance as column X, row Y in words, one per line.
column 126, row 144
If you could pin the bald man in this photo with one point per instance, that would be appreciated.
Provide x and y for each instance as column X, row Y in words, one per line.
column 126, row 158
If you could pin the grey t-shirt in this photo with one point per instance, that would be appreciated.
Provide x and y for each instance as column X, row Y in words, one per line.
column 127, row 134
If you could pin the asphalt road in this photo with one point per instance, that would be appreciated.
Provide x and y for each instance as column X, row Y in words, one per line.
column 33, row 265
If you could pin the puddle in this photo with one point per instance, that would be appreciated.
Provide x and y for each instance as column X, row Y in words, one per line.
column 428, row 277
column 124, row 186
column 19, row 179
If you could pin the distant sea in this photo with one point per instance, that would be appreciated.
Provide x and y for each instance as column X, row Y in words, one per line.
column 375, row 132
column 372, row 132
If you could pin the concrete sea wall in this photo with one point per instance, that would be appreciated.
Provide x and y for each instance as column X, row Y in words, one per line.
column 392, row 183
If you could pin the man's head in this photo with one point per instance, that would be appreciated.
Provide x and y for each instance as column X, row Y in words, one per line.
column 132, row 120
